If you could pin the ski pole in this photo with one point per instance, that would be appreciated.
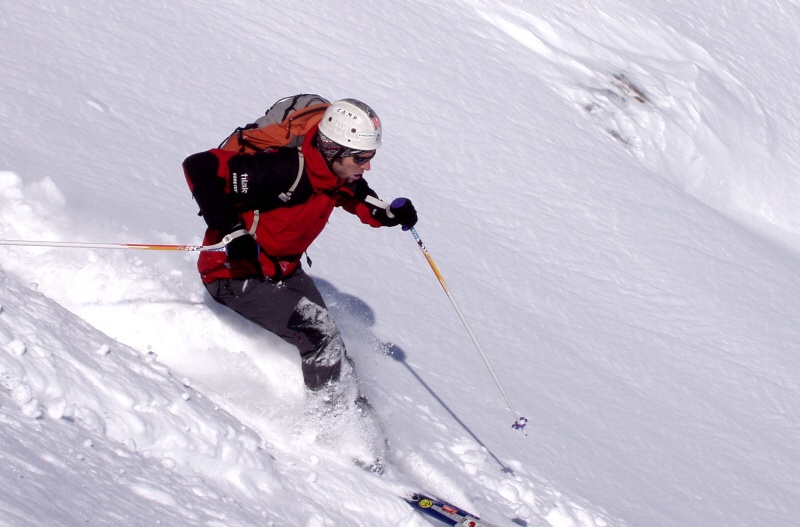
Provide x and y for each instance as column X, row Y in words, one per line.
column 228, row 238
column 520, row 422
column 139, row 246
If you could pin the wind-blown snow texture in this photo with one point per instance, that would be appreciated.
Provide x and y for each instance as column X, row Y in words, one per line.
column 610, row 191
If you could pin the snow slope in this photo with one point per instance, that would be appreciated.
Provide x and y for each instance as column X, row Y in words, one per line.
column 608, row 190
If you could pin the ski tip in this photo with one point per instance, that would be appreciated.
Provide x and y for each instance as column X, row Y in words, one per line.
column 445, row 512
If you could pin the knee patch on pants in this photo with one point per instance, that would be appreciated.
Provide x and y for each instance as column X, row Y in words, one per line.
column 322, row 348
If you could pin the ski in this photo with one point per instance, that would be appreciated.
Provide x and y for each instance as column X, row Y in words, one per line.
column 445, row 512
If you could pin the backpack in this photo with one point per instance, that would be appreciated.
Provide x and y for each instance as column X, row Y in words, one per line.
column 284, row 125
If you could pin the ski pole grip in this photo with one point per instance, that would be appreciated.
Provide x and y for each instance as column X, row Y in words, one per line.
column 396, row 203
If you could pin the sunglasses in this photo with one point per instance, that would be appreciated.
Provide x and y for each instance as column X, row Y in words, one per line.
column 362, row 158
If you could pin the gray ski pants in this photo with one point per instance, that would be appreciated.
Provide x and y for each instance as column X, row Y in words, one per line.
column 294, row 310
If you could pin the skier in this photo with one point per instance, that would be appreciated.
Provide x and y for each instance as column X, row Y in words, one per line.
column 271, row 205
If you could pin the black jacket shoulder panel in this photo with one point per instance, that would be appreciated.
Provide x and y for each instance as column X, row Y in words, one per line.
column 258, row 180
column 215, row 205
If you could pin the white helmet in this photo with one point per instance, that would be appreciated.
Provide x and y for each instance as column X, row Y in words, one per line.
column 352, row 124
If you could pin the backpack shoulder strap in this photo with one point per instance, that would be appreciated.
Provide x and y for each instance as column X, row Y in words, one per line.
column 287, row 195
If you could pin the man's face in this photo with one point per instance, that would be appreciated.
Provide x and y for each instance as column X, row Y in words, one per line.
column 352, row 168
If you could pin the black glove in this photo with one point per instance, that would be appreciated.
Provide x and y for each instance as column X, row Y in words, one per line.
column 361, row 189
column 404, row 213
column 243, row 248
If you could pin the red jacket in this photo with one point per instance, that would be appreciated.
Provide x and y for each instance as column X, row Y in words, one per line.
column 233, row 188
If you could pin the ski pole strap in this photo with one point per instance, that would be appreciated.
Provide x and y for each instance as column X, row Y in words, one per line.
column 378, row 203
